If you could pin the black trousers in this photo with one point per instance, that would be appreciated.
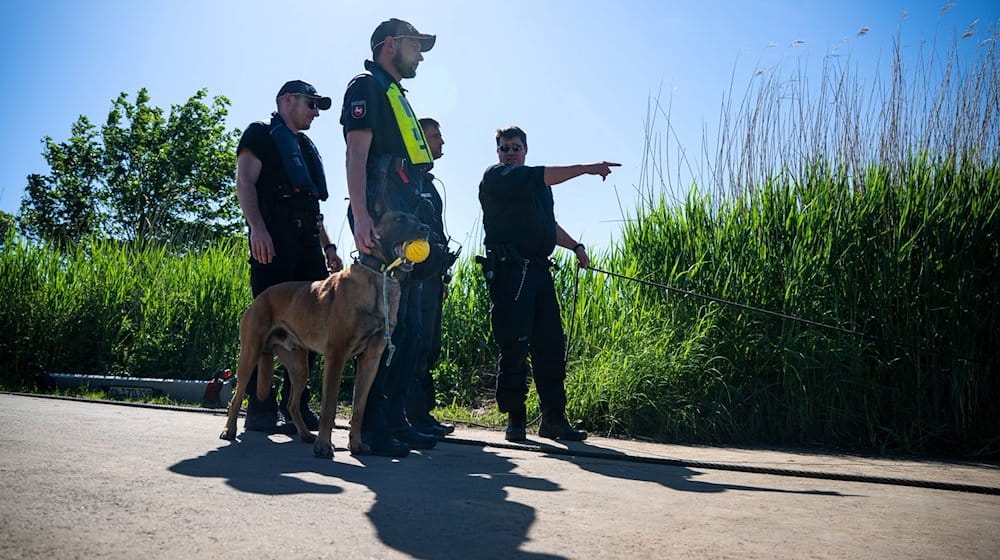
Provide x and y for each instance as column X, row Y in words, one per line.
column 421, row 396
column 526, row 322
column 298, row 256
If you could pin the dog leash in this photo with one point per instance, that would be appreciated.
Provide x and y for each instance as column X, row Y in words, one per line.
column 572, row 315
column 387, row 335
column 414, row 252
column 383, row 271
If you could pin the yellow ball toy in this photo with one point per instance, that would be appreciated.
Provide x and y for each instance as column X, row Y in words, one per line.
column 417, row 250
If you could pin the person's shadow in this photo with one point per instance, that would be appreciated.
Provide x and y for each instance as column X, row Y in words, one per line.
column 449, row 502
column 616, row 464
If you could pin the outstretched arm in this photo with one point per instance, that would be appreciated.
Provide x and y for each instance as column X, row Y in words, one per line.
column 555, row 174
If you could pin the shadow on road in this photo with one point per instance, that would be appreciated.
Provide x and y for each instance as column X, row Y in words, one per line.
column 259, row 466
column 615, row 464
column 443, row 504
column 451, row 502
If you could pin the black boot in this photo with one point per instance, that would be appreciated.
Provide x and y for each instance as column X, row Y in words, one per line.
column 384, row 445
column 517, row 425
column 427, row 424
column 555, row 426
column 308, row 416
column 448, row 427
column 414, row 439
column 262, row 415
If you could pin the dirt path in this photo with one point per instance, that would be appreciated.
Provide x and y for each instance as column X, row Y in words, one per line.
column 94, row 480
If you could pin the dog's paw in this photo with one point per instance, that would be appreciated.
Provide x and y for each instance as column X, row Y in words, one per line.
column 228, row 435
column 307, row 437
column 360, row 448
column 323, row 450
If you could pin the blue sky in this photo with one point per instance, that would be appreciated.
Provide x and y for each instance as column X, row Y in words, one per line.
column 578, row 76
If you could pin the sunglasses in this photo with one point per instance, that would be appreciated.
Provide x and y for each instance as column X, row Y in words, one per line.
column 310, row 102
column 515, row 147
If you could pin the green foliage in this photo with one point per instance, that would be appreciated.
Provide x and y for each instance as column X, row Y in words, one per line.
column 63, row 206
column 106, row 307
column 141, row 176
column 906, row 262
column 7, row 224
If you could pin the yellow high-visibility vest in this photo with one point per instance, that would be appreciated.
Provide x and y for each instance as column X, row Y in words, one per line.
column 409, row 127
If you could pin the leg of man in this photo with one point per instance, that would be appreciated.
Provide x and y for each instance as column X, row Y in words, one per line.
column 404, row 367
column 310, row 265
column 433, row 345
column 384, row 412
column 262, row 415
column 433, row 354
column 420, row 398
column 511, row 315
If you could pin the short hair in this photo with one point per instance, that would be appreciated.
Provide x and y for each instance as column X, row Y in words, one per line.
column 425, row 121
column 512, row 132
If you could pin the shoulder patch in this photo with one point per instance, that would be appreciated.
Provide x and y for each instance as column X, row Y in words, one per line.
column 358, row 109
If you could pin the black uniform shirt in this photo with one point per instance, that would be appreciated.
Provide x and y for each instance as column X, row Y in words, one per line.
column 367, row 106
column 272, row 171
column 518, row 209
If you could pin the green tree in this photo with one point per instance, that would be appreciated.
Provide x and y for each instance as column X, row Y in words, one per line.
column 7, row 222
column 143, row 175
column 60, row 207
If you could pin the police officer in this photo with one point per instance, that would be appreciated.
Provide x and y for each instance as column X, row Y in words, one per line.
column 421, row 397
column 521, row 232
column 387, row 156
column 279, row 183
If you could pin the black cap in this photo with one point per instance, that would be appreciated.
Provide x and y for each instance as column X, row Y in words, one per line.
column 303, row 88
column 399, row 28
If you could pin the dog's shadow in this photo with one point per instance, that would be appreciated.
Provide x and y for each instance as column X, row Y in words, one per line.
column 440, row 504
column 259, row 466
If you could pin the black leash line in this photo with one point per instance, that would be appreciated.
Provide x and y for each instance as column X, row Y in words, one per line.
column 572, row 316
column 775, row 314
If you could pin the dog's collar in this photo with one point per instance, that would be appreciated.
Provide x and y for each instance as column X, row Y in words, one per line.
column 381, row 268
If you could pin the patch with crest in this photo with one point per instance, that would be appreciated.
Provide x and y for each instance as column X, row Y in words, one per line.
column 358, row 109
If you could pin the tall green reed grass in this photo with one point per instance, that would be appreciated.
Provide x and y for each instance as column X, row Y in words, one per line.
column 879, row 218
column 102, row 307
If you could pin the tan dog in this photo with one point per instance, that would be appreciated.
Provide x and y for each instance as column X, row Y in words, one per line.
column 341, row 317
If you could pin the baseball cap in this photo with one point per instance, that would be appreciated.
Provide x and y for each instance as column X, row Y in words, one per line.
column 303, row 88
column 399, row 28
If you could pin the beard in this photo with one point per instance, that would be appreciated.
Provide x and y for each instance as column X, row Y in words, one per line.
column 405, row 70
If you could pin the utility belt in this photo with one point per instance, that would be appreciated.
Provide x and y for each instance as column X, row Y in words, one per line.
column 285, row 192
column 508, row 255
column 300, row 218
